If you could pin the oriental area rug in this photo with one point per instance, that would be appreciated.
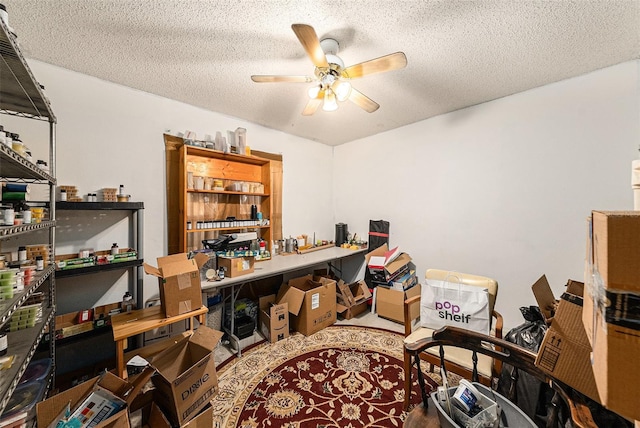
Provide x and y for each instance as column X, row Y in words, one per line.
column 342, row 376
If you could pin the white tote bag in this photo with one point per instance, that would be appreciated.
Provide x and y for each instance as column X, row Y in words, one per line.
column 451, row 303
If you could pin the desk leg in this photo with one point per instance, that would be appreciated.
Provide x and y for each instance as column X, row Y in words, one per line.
column 232, row 336
column 122, row 370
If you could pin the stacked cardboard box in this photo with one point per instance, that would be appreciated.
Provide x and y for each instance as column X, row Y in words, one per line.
column 565, row 351
column 394, row 275
column 391, row 268
column 611, row 310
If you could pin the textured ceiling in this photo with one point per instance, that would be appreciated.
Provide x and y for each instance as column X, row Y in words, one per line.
column 459, row 53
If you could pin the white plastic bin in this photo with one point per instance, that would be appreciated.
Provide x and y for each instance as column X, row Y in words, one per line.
column 513, row 416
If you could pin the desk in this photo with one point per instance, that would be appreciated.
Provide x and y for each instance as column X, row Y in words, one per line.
column 136, row 322
column 276, row 266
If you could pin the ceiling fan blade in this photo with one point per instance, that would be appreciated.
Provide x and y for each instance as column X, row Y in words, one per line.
column 312, row 106
column 289, row 79
column 363, row 101
column 310, row 42
column 389, row 62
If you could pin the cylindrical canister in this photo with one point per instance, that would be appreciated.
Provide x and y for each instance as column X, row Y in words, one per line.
column 341, row 234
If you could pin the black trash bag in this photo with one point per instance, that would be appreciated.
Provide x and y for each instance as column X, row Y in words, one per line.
column 522, row 389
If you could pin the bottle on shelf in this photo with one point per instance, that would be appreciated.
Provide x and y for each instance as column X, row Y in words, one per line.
column 22, row 254
column 114, row 249
column 3, row 344
column 128, row 304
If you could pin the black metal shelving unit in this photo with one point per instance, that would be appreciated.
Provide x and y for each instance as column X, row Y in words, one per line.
column 21, row 95
column 98, row 339
column 137, row 223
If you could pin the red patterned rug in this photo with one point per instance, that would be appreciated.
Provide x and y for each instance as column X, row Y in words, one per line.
column 342, row 376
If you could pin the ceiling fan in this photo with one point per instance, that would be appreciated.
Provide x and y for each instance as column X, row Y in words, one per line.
column 331, row 78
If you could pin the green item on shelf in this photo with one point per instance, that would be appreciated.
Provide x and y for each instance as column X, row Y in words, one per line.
column 14, row 196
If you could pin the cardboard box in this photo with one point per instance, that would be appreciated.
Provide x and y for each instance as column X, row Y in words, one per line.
column 274, row 319
column 67, row 325
column 353, row 311
column 565, row 351
column 312, row 304
column 50, row 410
column 616, row 248
column 352, row 298
column 124, row 255
column 72, row 261
column 179, row 281
column 236, row 266
column 186, row 378
column 157, row 419
column 389, row 303
column 613, row 245
column 392, row 270
column 102, row 314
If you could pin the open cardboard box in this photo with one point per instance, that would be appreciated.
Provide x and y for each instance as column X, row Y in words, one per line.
column 610, row 308
column 312, row 304
column 50, row 410
column 186, row 378
column 392, row 270
column 179, row 282
column 352, row 298
column 565, row 351
column 389, row 303
column 274, row 318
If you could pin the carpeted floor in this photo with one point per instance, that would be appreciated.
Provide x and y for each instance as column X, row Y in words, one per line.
column 342, row 376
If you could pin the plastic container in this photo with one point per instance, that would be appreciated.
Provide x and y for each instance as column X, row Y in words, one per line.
column 21, row 407
column 37, row 371
column 512, row 415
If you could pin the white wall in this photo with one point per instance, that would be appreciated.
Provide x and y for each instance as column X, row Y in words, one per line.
column 500, row 189
column 110, row 135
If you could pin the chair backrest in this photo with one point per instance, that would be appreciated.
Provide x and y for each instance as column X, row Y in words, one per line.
column 468, row 279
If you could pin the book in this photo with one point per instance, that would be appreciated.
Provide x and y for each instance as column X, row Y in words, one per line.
column 391, row 255
column 379, row 262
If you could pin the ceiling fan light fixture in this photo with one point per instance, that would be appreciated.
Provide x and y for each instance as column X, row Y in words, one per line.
column 342, row 89
column 314, row 91
column 330, row 103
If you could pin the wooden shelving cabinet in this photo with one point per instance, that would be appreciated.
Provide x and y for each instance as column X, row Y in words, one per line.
column 198, row 210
